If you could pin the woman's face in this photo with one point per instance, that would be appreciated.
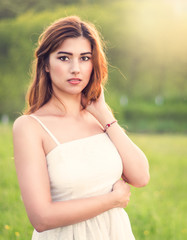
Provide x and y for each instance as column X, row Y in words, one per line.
column 70, row 66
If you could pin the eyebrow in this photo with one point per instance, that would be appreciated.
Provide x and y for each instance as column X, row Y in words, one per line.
column 68, row 53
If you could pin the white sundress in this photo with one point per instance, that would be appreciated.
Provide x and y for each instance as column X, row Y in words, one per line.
column 83, row 168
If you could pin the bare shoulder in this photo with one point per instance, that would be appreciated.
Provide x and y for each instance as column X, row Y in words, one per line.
column 26, row 137
column 22, row 120
column 24, row 125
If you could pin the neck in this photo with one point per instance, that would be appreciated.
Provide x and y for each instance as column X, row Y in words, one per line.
column 69, row 105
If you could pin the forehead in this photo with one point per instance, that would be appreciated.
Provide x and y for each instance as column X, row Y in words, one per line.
column 77, row 45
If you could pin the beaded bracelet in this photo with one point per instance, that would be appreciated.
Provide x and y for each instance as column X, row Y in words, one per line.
column 108, row 125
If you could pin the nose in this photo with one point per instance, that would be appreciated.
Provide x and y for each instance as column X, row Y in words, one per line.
column 75, row 68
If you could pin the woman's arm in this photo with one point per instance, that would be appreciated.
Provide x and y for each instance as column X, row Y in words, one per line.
column 34, row 183
column 135, row 164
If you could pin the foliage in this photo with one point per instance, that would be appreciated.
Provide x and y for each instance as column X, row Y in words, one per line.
column 13, row 8
column 145, row 46
column 147, row 117
column 156, row 212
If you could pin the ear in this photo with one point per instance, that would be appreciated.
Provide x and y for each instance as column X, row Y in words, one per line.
column 46, row 68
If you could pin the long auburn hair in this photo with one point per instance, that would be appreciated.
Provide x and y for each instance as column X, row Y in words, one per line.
column 40, row 90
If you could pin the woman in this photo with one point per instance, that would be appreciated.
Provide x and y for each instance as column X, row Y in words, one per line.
column 70, row 152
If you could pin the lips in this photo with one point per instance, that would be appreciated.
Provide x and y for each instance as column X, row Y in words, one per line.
column 74, row 80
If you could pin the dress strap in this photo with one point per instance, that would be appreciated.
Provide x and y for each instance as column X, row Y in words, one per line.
column 46, row 129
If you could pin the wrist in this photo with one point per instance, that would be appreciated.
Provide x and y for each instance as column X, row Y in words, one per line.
column 113, row 200
column 109, row 125
column 105, row 116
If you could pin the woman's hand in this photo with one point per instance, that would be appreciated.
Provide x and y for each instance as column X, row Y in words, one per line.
column 135, row 163
column 95, row 106
column 99, row 109
column 121, row 193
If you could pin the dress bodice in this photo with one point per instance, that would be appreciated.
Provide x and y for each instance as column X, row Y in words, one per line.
column 83, row 168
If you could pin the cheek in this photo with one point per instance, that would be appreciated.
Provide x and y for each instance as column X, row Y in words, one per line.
column 57, row 68
column 57, row 72
column 89, row 69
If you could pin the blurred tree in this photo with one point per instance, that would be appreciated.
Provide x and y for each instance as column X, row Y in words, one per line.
column 146, row 54
column 13, row 8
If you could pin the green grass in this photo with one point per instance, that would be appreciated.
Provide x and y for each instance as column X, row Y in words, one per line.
column 13, row 215
column 157, row 211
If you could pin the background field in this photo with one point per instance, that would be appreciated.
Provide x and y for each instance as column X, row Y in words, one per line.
column 157, row 211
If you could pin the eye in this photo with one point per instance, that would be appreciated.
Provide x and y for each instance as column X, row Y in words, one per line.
column 64, row 58
column 85, row 58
